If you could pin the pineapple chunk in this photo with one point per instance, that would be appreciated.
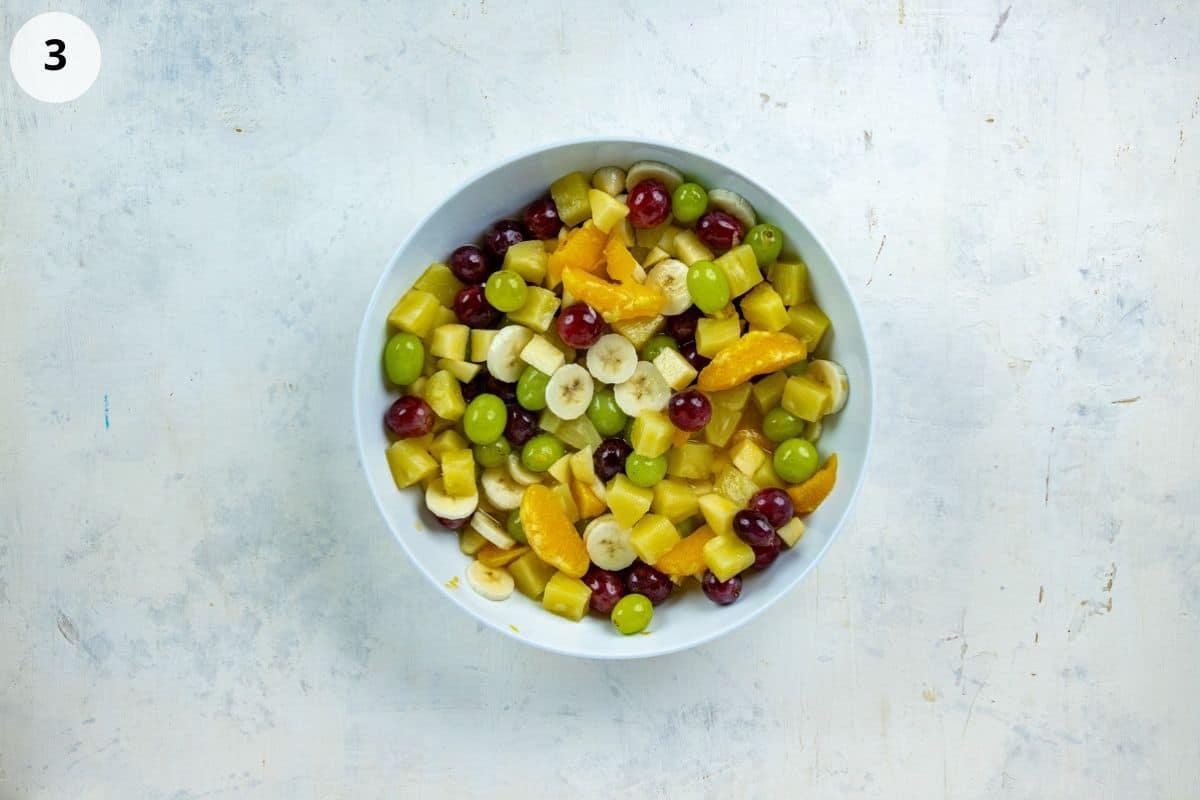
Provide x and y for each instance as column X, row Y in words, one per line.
column 726, row 556
column 538, row 311
column 578, row 433
column 651, row 434
column 440, row 282
column 718, row 512
column 653, row 256
column 582, row 466
column 805, row 398
column 628, row 503
column 561, row 470
column 570, row 195
column 465, row 371
column 807, row 323
column 768, row 392
column 741, row 269
column 624, row 230
column 649, row 237
column 638, row 331
column 443, row 316
column 667, row 240
column 790, row 280
column 566, row 596
column 542, row 356
column 458, row 472
column 674, row 500
column 764, row 309
column 691, row 461
column 713, row 335
column 529, row 260
column 736, row 485
column 747, row 457
column 444, row 395
column 553, row 338
column 735, row 398
column 450, row 341
column 410, row 464
column 765, row 476
column 674, row 368
column 689, row 249
column 470, row 542
column 415, row 312
column 653, row 536
column 481, row 342
column 446, row 441
column 607, row 211
column 722, row 425
column 531, row 575
column 550, row 423
column 791, row 531
column 562, row 496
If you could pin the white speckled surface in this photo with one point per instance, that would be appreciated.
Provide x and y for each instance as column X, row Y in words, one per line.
column 199, row 600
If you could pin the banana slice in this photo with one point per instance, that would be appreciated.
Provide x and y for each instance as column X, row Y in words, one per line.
column 812, row 431
column 500, row 489
column 609, row 179
column 608, row 543
column 438, row 501
column 670, row 277
column 833, row 376
column 491, row 583
column 486, row 526
column 733, row 204
column 646, row 390
column 569, row 391
column 504, row 356
column 612, row 359
column 643, row 170
column 518, row 473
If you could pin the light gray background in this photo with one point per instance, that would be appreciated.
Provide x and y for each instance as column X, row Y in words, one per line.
column 198, row 599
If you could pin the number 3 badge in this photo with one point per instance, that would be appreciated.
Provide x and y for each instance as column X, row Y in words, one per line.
column 55, row 57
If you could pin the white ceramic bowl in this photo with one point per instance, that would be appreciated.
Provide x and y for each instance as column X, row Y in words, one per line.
column 688, row 618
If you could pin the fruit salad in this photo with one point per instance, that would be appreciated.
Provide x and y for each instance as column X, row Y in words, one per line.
column 616, row 396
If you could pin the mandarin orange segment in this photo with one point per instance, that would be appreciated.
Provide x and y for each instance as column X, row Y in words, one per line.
column 615, row 302
column 686, row 557
column 756, row 353
column 492, row 556
column 550, row 532
column 621, row 263
column 588, row 502
column 810, row 494
column 679, row 438
column 582, row 250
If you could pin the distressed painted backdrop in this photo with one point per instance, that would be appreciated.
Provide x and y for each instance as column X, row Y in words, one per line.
column 198, row 598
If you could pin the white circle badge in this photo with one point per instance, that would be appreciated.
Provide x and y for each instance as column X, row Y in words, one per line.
column 55, row 57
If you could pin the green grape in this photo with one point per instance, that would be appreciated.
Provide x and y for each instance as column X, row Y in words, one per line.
column 632, row 613
column 493, row 454
column 657, row 344
column 514, row 527
column 403, row 358
column 779, row 424
column 799, row 368
column 766, row 241
column 540, row 452
column 709, row 286
column 645, row 471
column 688, row 202
column 605, row 414
column 484, row 419
column 795, row 460
column 505, row 290
column 531, row 389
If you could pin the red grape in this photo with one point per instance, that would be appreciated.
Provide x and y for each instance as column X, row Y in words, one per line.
column 541, row 218
column 774, row 504
column 408, row 417
column 721, row 592
column 765, row 554
column 452, row 524
column 646, row 580
column 606, row 589
column 689, row 411
column 472, row 308
column 470, row 264
column 579, row 325
column 692, row 356
column 752, row 527
column 649, row 204
column 521, row 425
column 502, row 389
column 720, row 231
column 682, row 327
column 503, row 235
column 609, row 458
column 474, row 387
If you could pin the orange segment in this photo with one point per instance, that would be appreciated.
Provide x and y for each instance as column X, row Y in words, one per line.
column 810, row 494
column 756, row 353
column 492, row 556
column 686, row 557
column 621, row 262
column 582, row 250
column 588, row 502
column 550, row 532
column 615, row 302
column 680, row 438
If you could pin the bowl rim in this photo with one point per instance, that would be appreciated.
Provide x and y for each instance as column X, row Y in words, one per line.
column 366, row 331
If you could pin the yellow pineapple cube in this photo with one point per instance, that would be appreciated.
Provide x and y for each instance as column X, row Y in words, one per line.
column 542, row 356
column 415, row 312
column 718, row 512
column 550, row 423
column 450, row 341
column 566, row 596
column 628, row 502
column 701, row 488
column 564, row 497
column 444, row 316
column 667, row 240
column 446, row 441
column 747, row 457
column 655, row 255
column 470, row 541
column 410, row 464
column 465, row 371
column 538, row 311
column 741, row 269
column 769, row 391
column 481, row 342
column 458, row 473
column 805, row 398
column 713, row 335
column 653, row 536
column 689, row 249
column 791, row 531
column 790, row 280
column 765, row 476
column 674, row 500
column 649, row 237
column 607, row 211
column 734, row 399
column 735, row 485
column 529, row 260
column 570, row 196
column 807, row 323
column 582, row 466
column 440, row 282
column 578, row 432
column 726, row 555
column 651, row 434
column 675, row 369
column 692, row 460
column 638, row 331
column 722, row 425
column 444, row 395
column 531, row 574
column 764, row 309
column 561, row 470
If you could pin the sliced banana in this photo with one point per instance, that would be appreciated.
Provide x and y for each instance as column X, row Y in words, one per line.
column 608, row 543
column 569, row 391
column 646, row 390
column 486, row 526
column 609, row 179
column 504, row 356
column 612, row 359
column 812, row 431
column 518, row 473
column 733, row 204
column 500, row 489
column 670, row 277
column 644, row 170
column 439, row 502
column 491, row 583
column 833, row 376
